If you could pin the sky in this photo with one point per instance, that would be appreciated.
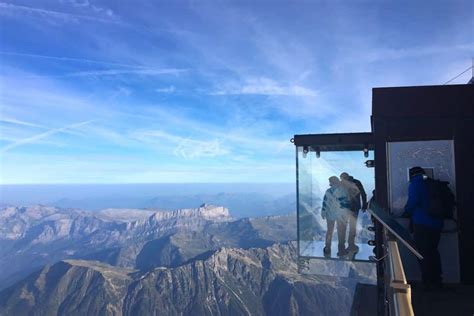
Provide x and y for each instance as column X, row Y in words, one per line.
column 205, row 91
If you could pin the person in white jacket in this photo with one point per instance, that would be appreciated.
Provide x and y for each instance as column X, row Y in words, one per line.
column 335, row 210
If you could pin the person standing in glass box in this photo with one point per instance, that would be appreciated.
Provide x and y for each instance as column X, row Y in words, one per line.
column 358, row 201
column 335, row 210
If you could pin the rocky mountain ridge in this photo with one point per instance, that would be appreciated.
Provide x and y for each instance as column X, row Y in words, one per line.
column 31, row 237
column 229, row 281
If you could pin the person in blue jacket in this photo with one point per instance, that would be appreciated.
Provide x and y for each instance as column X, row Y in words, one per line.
column 426, row 228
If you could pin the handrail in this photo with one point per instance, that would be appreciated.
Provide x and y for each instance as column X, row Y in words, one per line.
column 398, row 290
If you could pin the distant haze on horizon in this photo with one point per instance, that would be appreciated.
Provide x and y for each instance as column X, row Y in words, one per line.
column 135, row 195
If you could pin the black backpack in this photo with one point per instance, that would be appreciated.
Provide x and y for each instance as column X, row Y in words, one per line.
column 441, row 198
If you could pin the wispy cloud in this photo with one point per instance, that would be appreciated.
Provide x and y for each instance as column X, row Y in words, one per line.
column 63, row 16
column 69, row 59
column 265, row 86
column 169, row 89
column 35, row 138
column 86, row 4
column 190, row 149
column 414, row 52
column 117, row 72
column 183, row 147
column 109, row 135
column 253, row 137
column 19, row 122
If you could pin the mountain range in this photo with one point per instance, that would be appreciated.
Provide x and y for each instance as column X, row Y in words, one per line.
column 31, row 237
column 197, row 261
column 228, row 282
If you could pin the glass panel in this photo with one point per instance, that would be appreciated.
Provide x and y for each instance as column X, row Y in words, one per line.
column 332, row 223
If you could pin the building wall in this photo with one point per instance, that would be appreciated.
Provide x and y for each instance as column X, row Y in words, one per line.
column 431, row 113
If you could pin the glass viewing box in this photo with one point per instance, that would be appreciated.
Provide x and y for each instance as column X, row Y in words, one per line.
column 335, row 185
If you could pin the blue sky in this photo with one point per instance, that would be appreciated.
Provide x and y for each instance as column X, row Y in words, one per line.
column 204, row 91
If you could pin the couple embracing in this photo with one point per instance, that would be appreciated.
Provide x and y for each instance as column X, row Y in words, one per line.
column 341, row 204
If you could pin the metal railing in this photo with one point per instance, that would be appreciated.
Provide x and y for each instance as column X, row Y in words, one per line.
column 398, row 291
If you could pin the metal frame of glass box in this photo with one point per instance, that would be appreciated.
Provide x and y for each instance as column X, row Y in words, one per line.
column 320, row 143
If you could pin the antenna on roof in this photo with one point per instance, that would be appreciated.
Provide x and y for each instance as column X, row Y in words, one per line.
column 472, row 76
column 472, row 66
column 462, row 73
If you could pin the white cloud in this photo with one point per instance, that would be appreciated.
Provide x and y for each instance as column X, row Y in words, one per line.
column 96, row 132
column 265, row 86
column 252, row 137
column 137, row 71
column 85, row 4
column 69, row 59
column 382, row 54
column 79, row 3
column 10, row 120
column 37, row 137
column 9, row 8
column 24, row 94
column 191, row 149
column 183, row 147
column 121, row 91
column 169, row 89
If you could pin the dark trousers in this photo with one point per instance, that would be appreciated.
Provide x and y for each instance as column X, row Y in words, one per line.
column 352, row 227
column 427, row 240
column 341, row 233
